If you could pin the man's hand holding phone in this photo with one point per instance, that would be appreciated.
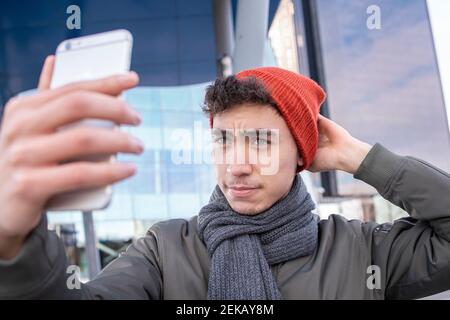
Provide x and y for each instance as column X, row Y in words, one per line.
column 31, row 148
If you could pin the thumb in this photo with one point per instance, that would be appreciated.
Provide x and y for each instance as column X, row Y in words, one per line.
column 46, row 73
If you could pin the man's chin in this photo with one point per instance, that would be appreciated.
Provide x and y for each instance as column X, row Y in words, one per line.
column 246, row 209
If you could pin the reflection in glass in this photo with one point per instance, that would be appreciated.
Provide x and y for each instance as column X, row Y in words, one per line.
column 161, row 189
column 383, row 84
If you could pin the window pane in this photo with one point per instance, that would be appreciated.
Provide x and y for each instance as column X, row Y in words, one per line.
column 383, row 84
column 161, row 188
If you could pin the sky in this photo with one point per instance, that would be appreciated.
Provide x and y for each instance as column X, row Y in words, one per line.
column 439, row 11
column 383, row 85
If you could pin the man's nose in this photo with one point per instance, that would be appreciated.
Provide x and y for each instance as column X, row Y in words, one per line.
column 240, row 164
column 240, row 169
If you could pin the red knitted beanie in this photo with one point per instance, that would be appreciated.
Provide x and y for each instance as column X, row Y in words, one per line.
column 299, row 99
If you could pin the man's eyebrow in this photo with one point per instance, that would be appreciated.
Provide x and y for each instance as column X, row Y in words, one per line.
column 222, row 132
column 269, row 133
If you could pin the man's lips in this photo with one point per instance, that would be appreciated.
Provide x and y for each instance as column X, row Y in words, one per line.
column 241, row 191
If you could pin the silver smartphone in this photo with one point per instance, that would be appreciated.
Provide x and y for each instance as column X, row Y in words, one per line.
column 89, row 58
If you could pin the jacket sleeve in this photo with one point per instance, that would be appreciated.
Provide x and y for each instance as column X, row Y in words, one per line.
column 39, row 271
column 413, row 253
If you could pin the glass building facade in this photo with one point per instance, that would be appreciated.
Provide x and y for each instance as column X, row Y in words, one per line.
column 383, row 83
column 174, row 177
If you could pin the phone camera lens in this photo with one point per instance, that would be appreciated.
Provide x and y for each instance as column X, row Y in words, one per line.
column 68, row 46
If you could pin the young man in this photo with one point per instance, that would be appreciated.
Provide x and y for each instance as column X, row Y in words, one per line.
column 257, row 237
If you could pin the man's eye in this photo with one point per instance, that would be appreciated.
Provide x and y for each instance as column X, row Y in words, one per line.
column 220, row 140
column 260, row 142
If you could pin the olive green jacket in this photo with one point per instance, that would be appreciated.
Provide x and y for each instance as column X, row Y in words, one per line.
column 353, row 260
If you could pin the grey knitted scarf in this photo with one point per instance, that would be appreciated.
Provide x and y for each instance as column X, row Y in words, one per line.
column 242, row 247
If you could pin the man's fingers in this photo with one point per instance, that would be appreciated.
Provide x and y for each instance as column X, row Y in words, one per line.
column 46, row 73
column 75, row 176
column 78, row 106
column 324, row 123
column 72, row 144
column 113, row 85
column 328, row 128
column 324, row 128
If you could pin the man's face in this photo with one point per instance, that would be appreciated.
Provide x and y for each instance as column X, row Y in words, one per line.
column 249, row 186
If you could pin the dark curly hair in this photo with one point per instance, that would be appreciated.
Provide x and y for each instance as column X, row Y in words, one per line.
column 227, row 92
